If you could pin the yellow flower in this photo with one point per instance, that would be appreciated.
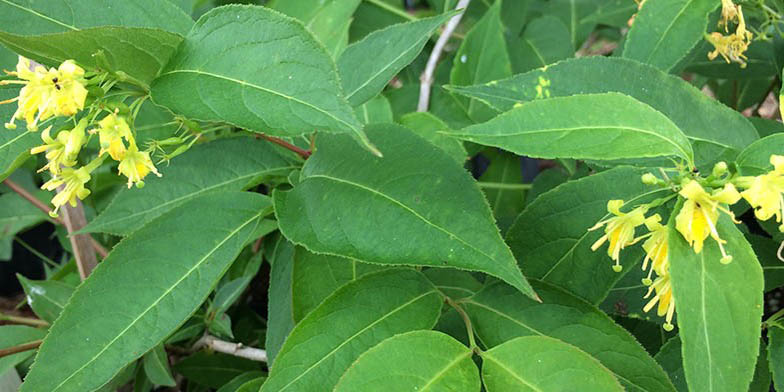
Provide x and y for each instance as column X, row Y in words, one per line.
column 619, row 229
column 729, row 13
column 766, row 193
column 46, row 93
column 136, row 165
column 664, row 298
column 656, row 249
column 63, row 150
column 74, row 180
column 731, row 47
column 113, row 129
column 698, row 216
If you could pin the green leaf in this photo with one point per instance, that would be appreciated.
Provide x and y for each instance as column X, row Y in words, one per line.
column 538, row 363
column 315, row 277
column 156, row 367
column 716, row 131
column 47, row 298
column 214, row 370
column 773, row 269
column 545, row 40
column 352, row 204
column 507, row 203
column 376, row 110
column 453, row 283
column 617, row 126
column 164, row 294
column 367, row 311
column 15, row 144
column 138, row 52
column 239, row 381
column 252, row 385
column 14, row 335
column 331, row 22
column 551, row 238
column 669, row 356
column 755, row 159
column 577, row 15
column 500, row 314
column 228, row 293
column 17, row 214
column 482, row 57
column 762, row 378
column 219, row 166
column 29, row 17
column 717, row 304
column 442, row 363
column 393, row 48
column 761, row 62
column 284, row 78
column 280, row 313
column 665, row 31
column 776, row 355
column 429, row 127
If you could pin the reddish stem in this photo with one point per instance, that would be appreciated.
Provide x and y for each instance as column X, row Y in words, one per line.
column 305, row 154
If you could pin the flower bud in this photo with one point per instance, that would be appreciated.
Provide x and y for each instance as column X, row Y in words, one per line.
column 719, row 169
column 649, row 179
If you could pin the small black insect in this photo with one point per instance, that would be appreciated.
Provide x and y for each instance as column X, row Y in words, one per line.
column 55, row 80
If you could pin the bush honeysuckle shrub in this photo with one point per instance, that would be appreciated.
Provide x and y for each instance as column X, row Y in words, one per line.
column 382, row 195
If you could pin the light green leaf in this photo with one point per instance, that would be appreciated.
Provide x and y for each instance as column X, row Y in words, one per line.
column 15, row 144
column 331, row 22
column 367, row 311
column 551, row 239
column 755, row 159
column 30, row 17
column 47, row 298
column 423, row 361
column 285, row 81
column 665, row 31
column 315, row 277
column 14, row 335
column 499, row 313
column 538, row 363
column 377, row 110
column 349, row 203
column 717, row 304
column 716, row 131
column 776, row 355
column 156, row 367
column 138, row 52
column 213, row 369
column 545, row 40
column 219, row 166
column 430, row 128
column 393, row 48
column 167, row 276
column 280, row 313
column 617, row 126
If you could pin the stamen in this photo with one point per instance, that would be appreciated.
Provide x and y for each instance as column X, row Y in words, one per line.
column 9, row 100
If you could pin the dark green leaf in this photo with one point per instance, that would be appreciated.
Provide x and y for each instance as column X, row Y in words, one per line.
column 545, row 40
column 214, row 370
column 156, row 367
column 280, row 312
column 47, row 298
column 776, row 355
column 237, row 382
column 755, row 159
column 669, row 356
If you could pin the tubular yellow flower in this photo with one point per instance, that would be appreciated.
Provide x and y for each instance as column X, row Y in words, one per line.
column 656, row 249
column 619, row 229
column 731, row 47
column 698, row 216
column 46, row 93
column 63, row 150
column 74, row 180
column 766, row 193
column 729, row 13
column 136, row 165
column 113, row 129
column 664, row 298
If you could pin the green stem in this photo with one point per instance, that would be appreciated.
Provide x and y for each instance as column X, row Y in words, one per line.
column 501, row 185
column 773, row 317
column 466, row 320
column 391, row 9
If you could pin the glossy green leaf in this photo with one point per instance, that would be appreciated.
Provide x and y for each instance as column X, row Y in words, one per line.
column 138, row 52
column 393, row 48
column 545, row 40
column 716, row 304
column 219, row 166
column 423, row 361
column 286, row 82
column 538, row 363
column 14, row 335
column 482, row 57
column 716, row 131
column 315, row 277
column 29, row 17
column 755, row 159
column 368, row 310
column 47, row 298
column 664, row 31
column 280, row 313
column 156, row 367
column 430, row 128
column 15, row 144
column 551, row 239
column 349, row 203
column 168, row 278
column 776, row 355
column 213, row 369
column 500, row 314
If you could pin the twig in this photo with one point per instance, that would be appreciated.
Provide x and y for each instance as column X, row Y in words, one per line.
column 303, row 153
column 23, row 320
column 235, row 349
column 84, row 253
column 20, row 348
column 427, row 76
column 43, row 207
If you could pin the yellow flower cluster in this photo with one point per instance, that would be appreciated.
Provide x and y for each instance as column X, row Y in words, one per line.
column 62, row 92
column 765, row 193
column 733, row 46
